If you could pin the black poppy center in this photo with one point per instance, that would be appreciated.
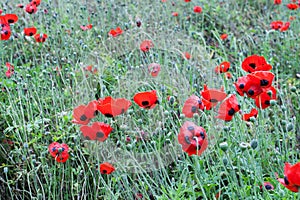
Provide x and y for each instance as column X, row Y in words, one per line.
column 231, row 112
column 100, row 134
column 5, row 32
column 241, row 86
column 87, row 137
column 108, row 115
column 286, row 181
column 213, row 100
column 145, row 103
column 187, row 139
column 96, row 113
column 268, row 187
column 30, row 34
column 252, row 65
column 83, row 117
column 194, row 109
column 267, row 102
column 202, row 135
column 264, row 82
column 10, row 21
column 104, row 171
column 251, row 92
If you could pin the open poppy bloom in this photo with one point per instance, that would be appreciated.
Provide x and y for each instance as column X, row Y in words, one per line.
column 250, row 84
column 59, row 151
column 255, row 63
column 8, row 19
column 264, row 99
column 83, row 114
column 224, row 36
column 285, row 27
column 106, row 168
column 247, row 116
column 276, row 25
column 192, row 138
column 291, row 178
column 115, row 32
column 30, row 31
column 223, row 67
column 211, row 97
column 40, row 37
column 267, row 186
column 31, row 8
column 146, row 45
column 277, row 2
column 5, row 32
column 146, row 100
column 197, row 9
column 97, row 131
column 111, row 107
column 292, row 6
column 10, row 70
column 228, row 108
column 175, row 14
column 154, row 69
column 265, row 77
column 87, row 27
column 192, row 106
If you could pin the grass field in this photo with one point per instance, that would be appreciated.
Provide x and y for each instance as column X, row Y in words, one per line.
column 51, row 79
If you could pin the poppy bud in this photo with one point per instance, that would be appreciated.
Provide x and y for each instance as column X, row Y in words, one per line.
column 283, row 122
column 244, row 145
column 5, row 170
column 293, row 89
column 252, row 119
column 224, row 146
column 270, row 93
column 254, row 144
column 182, row 116
column 273, row 102
column 166, row 113
column 226, row 128
column 196, row 115
column 25, row 145
column 289, row 127
column 225, row 161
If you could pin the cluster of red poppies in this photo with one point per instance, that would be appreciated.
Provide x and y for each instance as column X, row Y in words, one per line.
column 109, row 107
column 5, row 21
column 280, row 25
column 258, row 83
column 59, row 151
column 31, row 7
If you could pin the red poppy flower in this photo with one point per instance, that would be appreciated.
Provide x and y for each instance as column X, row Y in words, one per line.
column 228, row 75
column 197, row 9
column 211, row 97
column 265, row 77
column 59, row 151
column 192, row 105
column 187, row 55
column 154, row 69
column 267, row 186
column 250, row 84
column 263, row 100
column 97, row 131
column 116, row 32
column 111, row 107
column 35, row 2
column 224, row 36
column 277, row 2
column 106, row 168
column 192, row 138
column 31, row 8
column 10, row 70
column 285, row 27
column 292, row 6
column 147, row 100
column 255, row 63
column 291, row 178
column 138, row 23
column 40, row 37
column 223, row 67
column 228, row 108
column 146, row 45
column 174, row 14
column 187, row 0
column 30, row 31
column 276, row 25
column 83, row 114
column 8, row 19
column 253, row 113
column 87, row 27
column 5, row 32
